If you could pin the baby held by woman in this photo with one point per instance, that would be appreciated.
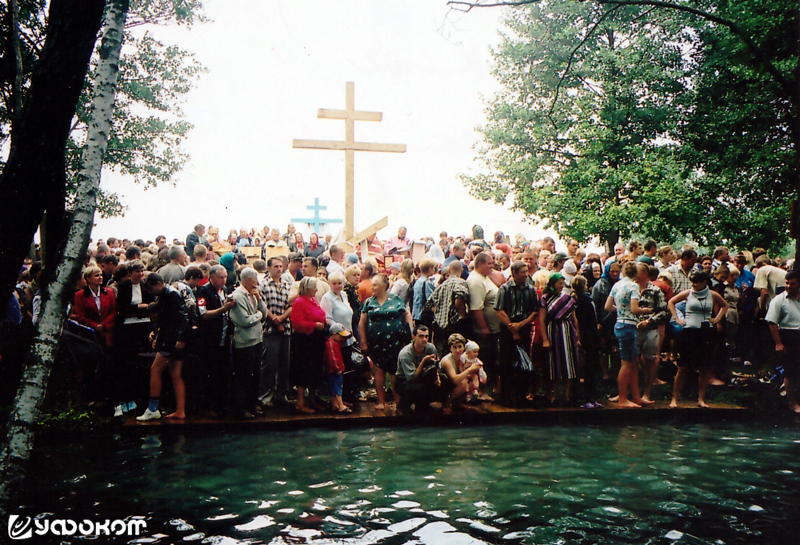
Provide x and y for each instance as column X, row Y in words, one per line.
column 469, row 357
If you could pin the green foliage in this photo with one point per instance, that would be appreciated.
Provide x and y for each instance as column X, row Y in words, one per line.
column 582, row 135
column 70, row 417
column 739, row 130
column 148, row 128
column 616, row 120
column 159, row 12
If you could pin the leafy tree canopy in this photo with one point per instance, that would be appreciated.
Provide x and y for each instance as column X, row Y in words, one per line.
column 611, row 123
column 148, row 127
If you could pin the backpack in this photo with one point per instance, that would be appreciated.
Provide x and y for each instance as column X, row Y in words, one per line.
column 427, row 316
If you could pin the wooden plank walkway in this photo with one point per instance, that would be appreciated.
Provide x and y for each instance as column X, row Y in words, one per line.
column 364, row 415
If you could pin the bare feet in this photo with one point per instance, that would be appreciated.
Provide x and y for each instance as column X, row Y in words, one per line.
column 659, row 382
column 715, row 382
column 702, row 404
column 486, row 397
column 380, row 407
column 628, row 405
column 673, row 404
column 176, row 414
column 614, row 399
column 643, row 401
column 304, row 409
column 795, row 408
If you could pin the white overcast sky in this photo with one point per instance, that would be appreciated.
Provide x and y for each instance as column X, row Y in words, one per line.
column 272, row 64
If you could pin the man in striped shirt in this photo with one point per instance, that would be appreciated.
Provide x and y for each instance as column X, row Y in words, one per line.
column 517, row 306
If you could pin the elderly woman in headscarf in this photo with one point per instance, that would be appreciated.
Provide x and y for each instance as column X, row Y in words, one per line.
column 436, row 253
column 314, row 247
column 606, row 319
column 592, row 270
column 228, row 261
column 560, row 335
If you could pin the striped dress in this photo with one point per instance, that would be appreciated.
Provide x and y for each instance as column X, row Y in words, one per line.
column 562, row 335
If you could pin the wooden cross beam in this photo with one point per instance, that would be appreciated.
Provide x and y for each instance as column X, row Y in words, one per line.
column 369, row 231
column 350, row 115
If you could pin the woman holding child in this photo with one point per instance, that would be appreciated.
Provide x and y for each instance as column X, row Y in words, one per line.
column 454, row 366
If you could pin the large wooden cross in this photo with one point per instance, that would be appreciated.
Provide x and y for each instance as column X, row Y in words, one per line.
column 350, row 115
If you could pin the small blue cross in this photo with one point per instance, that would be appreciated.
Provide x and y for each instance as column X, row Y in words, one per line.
column 316, row 221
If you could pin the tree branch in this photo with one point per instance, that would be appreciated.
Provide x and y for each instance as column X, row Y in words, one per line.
column 572, row 57
column 785, row 84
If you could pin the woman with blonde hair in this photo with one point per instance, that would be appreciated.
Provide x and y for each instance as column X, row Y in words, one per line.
column 401, row 285
column 384, row 328
column 308, row 343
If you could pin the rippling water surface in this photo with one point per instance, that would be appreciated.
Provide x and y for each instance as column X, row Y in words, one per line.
column 440, row 486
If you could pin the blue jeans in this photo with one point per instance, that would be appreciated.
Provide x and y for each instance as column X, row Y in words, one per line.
column 626, row 335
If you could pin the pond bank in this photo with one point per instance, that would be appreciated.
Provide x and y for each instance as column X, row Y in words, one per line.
column 364, row 415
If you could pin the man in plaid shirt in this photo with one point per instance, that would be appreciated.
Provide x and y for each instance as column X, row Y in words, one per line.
column 680, row 271
column 449, row 301
column 273, row 384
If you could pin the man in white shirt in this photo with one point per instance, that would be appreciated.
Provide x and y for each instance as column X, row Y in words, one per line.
column 768, row 279
column 337, row 257
column 485, row 323
column 783, row 318
column 275, row 240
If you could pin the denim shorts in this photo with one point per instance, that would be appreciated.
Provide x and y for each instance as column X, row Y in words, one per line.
column 626, row 336
column 335, row 383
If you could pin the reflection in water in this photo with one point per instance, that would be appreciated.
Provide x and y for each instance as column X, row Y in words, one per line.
column 504, row 484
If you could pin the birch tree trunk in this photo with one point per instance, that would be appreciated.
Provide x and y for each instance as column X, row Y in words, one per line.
column 33, row 386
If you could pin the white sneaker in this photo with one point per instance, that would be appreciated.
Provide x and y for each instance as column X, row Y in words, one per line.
column 118, row 410
column 149, row 415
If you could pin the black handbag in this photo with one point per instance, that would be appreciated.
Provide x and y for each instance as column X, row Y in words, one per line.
column 358, row 360
column 428, row 374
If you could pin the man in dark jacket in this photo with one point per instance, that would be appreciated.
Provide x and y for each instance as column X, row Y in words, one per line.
column 170, row 329
column 215, row 371
column 194, row 238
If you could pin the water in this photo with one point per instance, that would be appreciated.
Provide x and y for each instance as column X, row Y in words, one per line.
column 439, row 486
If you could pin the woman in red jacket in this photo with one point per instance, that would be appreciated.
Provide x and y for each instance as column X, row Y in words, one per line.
column 308, row 343
column 96, row 307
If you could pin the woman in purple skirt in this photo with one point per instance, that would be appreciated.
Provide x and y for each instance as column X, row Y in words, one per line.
column 560, row 335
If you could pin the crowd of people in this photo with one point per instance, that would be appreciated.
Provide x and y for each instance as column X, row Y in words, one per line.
column 241, row 330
